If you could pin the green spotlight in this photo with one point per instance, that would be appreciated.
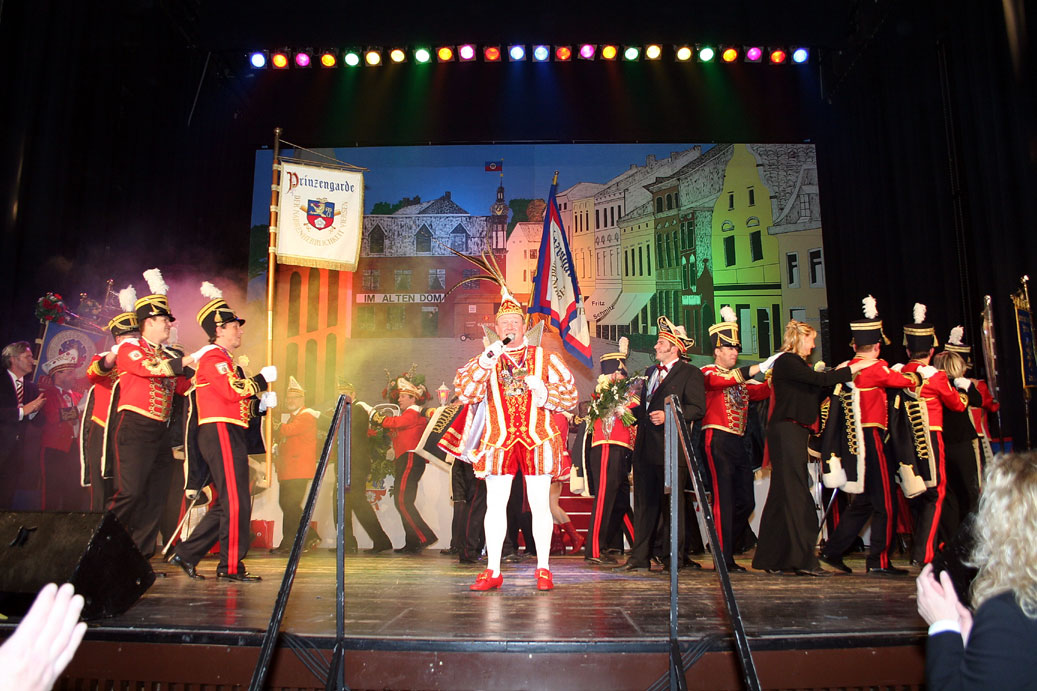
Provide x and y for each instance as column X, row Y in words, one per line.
column 631, row 53
column 706, row 54
column 422, row 55
column 351, row 58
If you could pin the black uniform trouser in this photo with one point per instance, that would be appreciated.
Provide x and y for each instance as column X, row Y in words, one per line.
column 963, row 475
column 877, row 503
column 229, row 519
column 290, row 495
column 101, row 488
column 731, row 475
column 607, row 464
column 622, row 523
column 930, row 511
column 473, row 538
column 462, row 481
column 409, row 469
column 652, row 512
column 359, row 506
column 143, row 470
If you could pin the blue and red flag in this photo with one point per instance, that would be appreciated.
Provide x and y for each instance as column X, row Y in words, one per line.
column 494, row 166
column 555, row 289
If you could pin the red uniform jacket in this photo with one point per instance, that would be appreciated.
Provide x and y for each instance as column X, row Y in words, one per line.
column 979, row 415
column 220, row 394
column 103, row 381
column 620, row 434
column 297, row 446
column 61, row 416
column 937, row 392
column 405, row 429
column 872, row 382
column 728, row 396
column 149, row 375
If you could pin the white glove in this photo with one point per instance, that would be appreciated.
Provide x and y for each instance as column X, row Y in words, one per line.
column 366, row 407
column 132, row 341
column 767, row 364
column 267, row 400
column 928, row 371
column 897, row 367
column 269, row 373
column 538, row 389
column 963, row 383
column 490, row 355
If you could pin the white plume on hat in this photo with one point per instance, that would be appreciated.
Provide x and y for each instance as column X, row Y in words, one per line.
column 918, row 311
column 871, row 310
column 624, row 346
column 127, row 298
column 156, row 284
column 727, row 314
column 210, row 291
column 957, row 333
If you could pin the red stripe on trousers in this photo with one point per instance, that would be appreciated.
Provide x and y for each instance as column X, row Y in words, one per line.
column 941, row 492
column 232, row 497
column 403, row 495
column 716, row 489
column 599, row 501
column 887, row 498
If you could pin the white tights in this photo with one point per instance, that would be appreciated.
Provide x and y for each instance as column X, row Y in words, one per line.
column 498, row 491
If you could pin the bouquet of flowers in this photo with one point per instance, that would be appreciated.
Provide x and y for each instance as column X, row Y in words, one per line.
column 51, row 308
column 611, row 400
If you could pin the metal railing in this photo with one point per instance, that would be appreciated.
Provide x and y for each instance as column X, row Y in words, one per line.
column 676, row 432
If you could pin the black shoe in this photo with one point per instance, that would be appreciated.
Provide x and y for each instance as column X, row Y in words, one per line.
column 408, row 549
column 189, row 569
column 691, row 564
column 241, row 577
column 816, row 573
column 781, row 572
column 631, row 565
column 887, row 571
column 735, row 567
column 467, row 560
column 835, row 562
column 603, row 560
column 448, row 551
column 378, row 549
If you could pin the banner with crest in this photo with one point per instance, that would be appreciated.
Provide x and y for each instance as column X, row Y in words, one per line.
column 320, row 216
column 59, row 339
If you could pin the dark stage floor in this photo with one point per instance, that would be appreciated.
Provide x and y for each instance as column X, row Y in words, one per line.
column 395, row 599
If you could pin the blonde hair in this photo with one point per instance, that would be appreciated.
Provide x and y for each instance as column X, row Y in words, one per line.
column 951, row 363
column 795, row 332
column 1005, row 552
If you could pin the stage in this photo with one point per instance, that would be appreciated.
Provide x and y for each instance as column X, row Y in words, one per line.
column 411, row 622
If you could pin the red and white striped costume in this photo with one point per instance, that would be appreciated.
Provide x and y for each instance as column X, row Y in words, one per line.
column 514, row 419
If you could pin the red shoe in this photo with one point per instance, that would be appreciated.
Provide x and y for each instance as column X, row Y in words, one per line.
column 544, row 580
column 487, row 581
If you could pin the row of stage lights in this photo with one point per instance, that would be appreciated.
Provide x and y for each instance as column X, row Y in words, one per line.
column 373, row 57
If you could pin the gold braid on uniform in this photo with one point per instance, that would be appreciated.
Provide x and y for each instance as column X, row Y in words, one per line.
column 846, row 397
column 915, row 414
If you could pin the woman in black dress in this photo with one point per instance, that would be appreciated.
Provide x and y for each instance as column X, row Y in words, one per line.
column 788, row 527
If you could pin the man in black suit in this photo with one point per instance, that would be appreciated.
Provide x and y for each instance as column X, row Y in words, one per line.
column 20, row 401
column 671, row 376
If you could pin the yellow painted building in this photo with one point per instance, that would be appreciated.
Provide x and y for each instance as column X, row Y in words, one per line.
column 746, row 272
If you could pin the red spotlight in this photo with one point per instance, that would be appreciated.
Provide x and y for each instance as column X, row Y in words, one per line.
column 328, row 58
column 279, row 60
column 563, row 53
column 778, row 56
column 491, row 53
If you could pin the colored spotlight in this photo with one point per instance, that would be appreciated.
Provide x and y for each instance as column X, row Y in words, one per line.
column 706, row 54
column 351, row 58
column 683, row 53
column 653, row 52
column 516, row 53
column 466, row 53
column 729, row 54
column 563, row 53
column 279, row 60
column 609, row 52
column 328, row 58
column 398, row 55
column 753, row 54
column 587, row 51
column 422, row 55
column 491, row 53
column 631, row 53
column 257, row 59
column 302, row 58
column 445, row 54
column 373, row 57
column 541, row 53
column 800, row 55
column 778, row 56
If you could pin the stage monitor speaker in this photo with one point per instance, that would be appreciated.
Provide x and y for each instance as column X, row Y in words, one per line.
column 92, row 551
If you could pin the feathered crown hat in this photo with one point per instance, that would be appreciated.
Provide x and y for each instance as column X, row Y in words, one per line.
column 216, row 312
column 410, row 382
column 65, row 361
column 956, row 344
column 156, row 304
column 617, row 361
column 725, row 331
column 491, row 271
column 675, row 334
column 921, row 335
column 868, row 331
column 126, row 321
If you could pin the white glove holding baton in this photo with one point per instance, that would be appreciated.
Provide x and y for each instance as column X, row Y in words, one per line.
column 269, row 373
column 267, row 400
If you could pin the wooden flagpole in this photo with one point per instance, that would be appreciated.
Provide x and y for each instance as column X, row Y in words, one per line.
column 271, row 271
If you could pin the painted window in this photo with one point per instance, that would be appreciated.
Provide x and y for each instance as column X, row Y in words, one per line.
column 756, row 245
column 792, row 268
column 423, row 240
column 376, row 244
column 817, row 268
column 729, row 250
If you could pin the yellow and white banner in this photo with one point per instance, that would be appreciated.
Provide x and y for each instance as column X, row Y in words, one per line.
column 321, row 216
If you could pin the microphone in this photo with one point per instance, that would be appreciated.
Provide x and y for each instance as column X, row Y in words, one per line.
column 506, row 340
